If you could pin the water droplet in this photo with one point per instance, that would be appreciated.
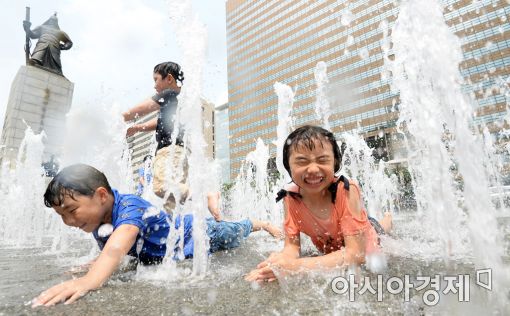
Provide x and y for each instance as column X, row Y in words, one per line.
column 105, row 230
column 139, row 245
column 347, row 18
column 350, row 40
column 149, row 212
column 363, row 53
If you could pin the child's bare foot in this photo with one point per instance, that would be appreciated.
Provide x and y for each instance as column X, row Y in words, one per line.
column 268, row 227
column 213, row 201
column 387, row 222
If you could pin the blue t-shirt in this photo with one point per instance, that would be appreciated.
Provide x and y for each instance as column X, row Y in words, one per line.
column 154, row 225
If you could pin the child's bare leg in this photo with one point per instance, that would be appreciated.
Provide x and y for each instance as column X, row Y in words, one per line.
column 268, row 227
column 213, row 202
column 387, row 222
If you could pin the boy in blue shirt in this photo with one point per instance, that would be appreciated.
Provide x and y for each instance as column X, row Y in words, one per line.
column 125, row 224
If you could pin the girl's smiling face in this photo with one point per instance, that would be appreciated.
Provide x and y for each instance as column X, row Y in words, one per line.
column 312, row 167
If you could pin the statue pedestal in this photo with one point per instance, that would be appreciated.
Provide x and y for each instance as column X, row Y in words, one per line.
column 41, row 99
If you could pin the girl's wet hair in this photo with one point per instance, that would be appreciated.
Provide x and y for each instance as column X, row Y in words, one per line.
column 170, row 68
column 306, row 136
column 75, row 179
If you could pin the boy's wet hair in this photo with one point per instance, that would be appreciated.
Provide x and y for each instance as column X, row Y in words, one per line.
column 305, row 136
column 169, row 68
column 75, row 179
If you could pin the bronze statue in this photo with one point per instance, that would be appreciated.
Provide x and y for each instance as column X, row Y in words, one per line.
column 51, row 41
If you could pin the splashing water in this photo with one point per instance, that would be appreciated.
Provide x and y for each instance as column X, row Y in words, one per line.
column 447, row 160
column 24, row 218
column 201, row 177
column 452, row 166
column 97, row 137
column 285, row 102
column 322, row 108
column 346, row 17
column 250, row 195
column 24, row 186
column 379, row 190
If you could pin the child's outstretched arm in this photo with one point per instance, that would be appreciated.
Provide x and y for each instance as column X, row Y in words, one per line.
column 143, row 127
column 117, row 246
column 289, row 260
column 287, row 257
column 142, row 108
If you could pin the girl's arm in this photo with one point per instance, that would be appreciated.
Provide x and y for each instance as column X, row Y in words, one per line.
column 288, row 256
column 352, row 253
column 117, row 246
column 291, row 251
column 288, row 259
column 141, row 109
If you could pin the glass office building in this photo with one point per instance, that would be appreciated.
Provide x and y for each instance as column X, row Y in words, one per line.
column 283, row 40
column 221, row 142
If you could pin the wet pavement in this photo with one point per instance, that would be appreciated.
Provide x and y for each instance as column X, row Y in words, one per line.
column 24, row 273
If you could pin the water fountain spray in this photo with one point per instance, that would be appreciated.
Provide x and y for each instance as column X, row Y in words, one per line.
column 447, row 153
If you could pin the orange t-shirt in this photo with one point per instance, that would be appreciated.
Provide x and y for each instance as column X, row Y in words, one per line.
column 328, row 234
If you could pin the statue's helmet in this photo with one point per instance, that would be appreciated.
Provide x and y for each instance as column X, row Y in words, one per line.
column 52, row 21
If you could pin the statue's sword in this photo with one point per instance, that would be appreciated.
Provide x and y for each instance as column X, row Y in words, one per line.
column 27, row 38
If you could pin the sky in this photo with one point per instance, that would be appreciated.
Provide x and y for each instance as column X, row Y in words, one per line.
column 116, row 45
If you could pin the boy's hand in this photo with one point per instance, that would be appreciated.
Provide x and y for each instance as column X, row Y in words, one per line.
column 67, row 292
column 117, row 246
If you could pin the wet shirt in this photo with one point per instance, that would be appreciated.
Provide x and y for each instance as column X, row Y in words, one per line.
column 153, row 224
column 328, row 234
column 167, row 100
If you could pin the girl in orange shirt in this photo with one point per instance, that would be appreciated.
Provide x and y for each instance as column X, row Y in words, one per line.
column 326, row 208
